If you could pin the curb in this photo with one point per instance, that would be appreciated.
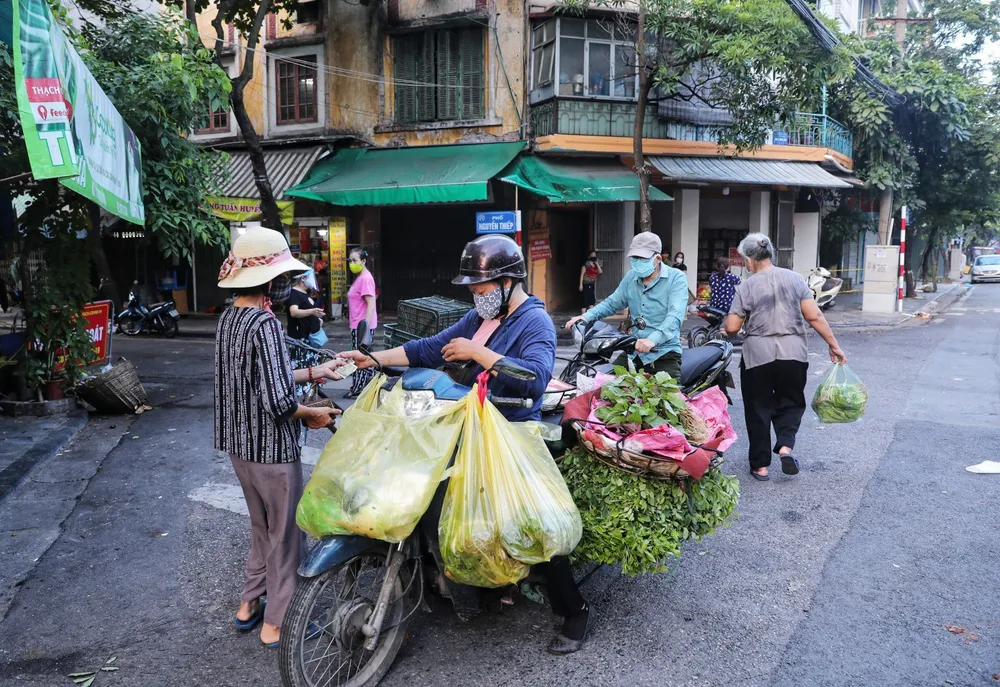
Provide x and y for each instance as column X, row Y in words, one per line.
column 906, row 317
column 15, row 473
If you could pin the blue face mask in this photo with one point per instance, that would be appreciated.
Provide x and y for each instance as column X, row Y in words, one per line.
column 643, row 268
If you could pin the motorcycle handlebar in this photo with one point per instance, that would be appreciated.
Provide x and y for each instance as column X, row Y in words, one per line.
column 503, row 402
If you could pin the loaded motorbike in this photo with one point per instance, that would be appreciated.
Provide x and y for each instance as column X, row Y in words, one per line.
column 136, row 318
column 355, row 595
column 824, row 286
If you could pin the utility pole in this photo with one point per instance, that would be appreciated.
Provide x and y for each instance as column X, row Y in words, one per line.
column 885, row 202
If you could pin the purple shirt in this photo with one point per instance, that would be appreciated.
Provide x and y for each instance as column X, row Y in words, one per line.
column 363, row 286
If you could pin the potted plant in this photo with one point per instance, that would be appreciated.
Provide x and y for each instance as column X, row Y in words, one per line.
column 59, row 351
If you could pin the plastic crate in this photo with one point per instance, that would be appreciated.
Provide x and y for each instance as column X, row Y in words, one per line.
column 393, row 336
column 430, row 315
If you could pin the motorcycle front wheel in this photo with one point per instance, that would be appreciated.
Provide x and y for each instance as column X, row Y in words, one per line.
column 322, row 640
column 699, row 336
column 170, row 327
column 130, row 326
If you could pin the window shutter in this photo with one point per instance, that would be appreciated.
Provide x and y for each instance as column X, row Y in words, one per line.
column 471, row 41
column 404, row 68
column 426, row 95
column 448, row 75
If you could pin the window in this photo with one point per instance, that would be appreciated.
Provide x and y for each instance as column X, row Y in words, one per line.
column 595, row 58
column 439, row 76
column 216, row 122
column 297, row 90
column 308, row 12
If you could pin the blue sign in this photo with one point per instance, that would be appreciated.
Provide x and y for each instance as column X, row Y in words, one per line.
column 507, row 222
column 780, row 138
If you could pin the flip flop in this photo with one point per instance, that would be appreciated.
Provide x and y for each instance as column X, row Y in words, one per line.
column 759, row 477
column 789, row 465
column 251, row 622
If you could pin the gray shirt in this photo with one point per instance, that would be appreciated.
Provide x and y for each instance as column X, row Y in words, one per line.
column 771, row 303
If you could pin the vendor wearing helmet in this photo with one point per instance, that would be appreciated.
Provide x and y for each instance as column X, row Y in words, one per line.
column 506, row 323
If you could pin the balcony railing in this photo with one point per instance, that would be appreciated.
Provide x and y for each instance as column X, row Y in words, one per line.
column 588, row 117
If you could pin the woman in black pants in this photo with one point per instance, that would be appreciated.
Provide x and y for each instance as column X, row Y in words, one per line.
column 773, row 306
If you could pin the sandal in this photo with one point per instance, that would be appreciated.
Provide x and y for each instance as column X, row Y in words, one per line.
column 789, row 465
column 255, row 617
column 759, row 477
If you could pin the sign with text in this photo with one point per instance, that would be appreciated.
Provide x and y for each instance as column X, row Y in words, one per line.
column 506, row 222
column 735, row 259
column 338, row 258
column 98, row 316
column 539, row 244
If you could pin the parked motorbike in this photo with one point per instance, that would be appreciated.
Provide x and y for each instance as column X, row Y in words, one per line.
column 824, row 286
column 135, row 317
column 712, row 331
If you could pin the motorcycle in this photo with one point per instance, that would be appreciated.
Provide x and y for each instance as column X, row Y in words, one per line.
column 824, row 286
column 703, row 333
column 136, row 318
column 347, row 618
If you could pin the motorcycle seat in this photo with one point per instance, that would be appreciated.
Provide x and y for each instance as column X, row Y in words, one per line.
column 696, row 361
column 717, row 312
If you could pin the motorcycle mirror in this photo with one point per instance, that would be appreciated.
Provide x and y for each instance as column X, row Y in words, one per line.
column 506, row 368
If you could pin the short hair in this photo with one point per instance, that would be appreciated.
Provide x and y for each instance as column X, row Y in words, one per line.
column 721, row 264
column 757, row 247
column 251, row 291
column 360, row 252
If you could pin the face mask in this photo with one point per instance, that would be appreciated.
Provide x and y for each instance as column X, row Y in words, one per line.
column 679, row 260
column 488, row 304
column 280, row 289
column 593, row 258
column 356, row 267
column 643, row 268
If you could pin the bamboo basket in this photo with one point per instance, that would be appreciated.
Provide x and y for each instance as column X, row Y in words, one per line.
column 117, row 391
column 646, row 465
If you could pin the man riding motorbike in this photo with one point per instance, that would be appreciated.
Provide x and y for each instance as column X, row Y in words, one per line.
column 506, row 323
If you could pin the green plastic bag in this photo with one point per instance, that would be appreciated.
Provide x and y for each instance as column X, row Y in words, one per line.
column 840, row 397
column 507, row 506
column 377, row 475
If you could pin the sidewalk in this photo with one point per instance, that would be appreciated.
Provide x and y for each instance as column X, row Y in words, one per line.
column 26, row 442
column 846, row 312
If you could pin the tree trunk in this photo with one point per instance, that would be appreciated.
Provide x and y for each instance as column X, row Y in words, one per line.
column 645, row 83
column 191, row 12
column 270, row 217
column 885, row 217
column 107, row 288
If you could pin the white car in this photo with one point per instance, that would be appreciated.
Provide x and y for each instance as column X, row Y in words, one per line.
column 986, row 268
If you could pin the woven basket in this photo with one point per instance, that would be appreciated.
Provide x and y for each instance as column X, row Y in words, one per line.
column 116, row 391
column 640, row 464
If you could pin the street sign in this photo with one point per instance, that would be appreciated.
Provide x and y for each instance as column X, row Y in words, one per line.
column 98, row 316
column 506, row 222
column 779, row 138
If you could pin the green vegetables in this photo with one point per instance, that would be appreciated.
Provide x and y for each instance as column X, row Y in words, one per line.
column 641, row 401
column 641, row 523
column 840, row 397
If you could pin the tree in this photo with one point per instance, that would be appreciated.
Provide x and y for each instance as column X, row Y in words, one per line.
column 752, row 60
column 248, row 17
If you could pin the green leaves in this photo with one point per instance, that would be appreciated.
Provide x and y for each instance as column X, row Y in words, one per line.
column 641, row 401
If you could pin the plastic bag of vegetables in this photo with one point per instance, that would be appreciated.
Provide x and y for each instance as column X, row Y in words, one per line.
column 840, row 397
column 507, row 506
column 377, row 475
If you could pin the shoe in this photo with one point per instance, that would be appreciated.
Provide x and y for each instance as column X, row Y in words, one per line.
column 562, row 645
column 251, row 622
column 789, row 465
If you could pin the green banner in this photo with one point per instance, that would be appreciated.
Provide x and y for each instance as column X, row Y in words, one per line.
column 71, row 129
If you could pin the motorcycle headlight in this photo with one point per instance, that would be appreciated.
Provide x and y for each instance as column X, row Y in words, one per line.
column 593, row 346
column 577, row 335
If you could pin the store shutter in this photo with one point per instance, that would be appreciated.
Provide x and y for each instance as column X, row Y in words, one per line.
column 472, row 73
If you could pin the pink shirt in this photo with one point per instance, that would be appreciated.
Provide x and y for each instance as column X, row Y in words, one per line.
column 485, row 331
column 363, row 286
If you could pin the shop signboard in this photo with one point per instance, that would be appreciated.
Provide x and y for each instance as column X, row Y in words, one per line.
column 506, row 222
column 98, row 316
column 72, row 131
column 539, row 244
column 735, row 259
column 247, row 209
column 337, row 240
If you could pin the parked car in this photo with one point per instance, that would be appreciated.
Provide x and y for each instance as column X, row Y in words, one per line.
column 986, row 268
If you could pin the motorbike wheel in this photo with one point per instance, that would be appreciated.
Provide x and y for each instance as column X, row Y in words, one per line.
column 322, row 643
column 130, row 326
column 170, row 327
column 699, row 336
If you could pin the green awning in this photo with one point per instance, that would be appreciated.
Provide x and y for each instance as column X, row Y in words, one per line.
column 577, row 181
column 407, row 176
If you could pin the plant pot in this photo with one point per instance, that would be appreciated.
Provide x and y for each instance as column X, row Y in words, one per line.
column 54, row 389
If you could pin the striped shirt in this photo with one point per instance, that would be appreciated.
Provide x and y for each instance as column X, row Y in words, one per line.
column 254, row 389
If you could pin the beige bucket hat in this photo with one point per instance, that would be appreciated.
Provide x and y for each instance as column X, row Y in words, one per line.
column 257, row 257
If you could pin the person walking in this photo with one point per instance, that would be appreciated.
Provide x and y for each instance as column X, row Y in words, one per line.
column 656, row 297
column 773, row 306
column 588, row 281
column 257, row 421
column 305, row 320
column 723, row 284
column 361, row 307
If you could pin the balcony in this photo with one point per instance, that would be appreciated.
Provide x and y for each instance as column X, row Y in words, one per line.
column 616, row 118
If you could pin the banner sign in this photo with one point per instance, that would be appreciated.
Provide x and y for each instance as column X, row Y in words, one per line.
column 735, row 259
column 72, row 131
column 247, row 209
column 539, row 245
column 98, row 316
column 498, row 222
column 338, row 258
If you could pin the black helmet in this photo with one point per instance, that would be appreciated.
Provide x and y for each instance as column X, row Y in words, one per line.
column 489, row 258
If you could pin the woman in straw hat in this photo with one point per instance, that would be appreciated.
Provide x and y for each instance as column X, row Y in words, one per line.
column 257, row 421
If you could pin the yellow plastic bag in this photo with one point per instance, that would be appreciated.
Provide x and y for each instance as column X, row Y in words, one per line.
column 507, row 506
column 377, row 475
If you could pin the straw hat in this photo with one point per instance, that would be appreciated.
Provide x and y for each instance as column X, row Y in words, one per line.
column 257, row 257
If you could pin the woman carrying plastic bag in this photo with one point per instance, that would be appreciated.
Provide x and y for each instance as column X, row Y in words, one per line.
column 841, row 396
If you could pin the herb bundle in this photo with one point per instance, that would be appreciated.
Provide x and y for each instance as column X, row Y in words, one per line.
column 639, row 401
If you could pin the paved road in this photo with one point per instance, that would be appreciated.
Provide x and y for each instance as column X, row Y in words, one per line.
column 850, row 574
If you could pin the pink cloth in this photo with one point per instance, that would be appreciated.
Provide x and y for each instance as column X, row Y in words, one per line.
column 363, row 286
column 712, row 407
column 485, row 331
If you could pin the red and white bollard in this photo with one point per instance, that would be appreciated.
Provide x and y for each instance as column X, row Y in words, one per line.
column 902, row 256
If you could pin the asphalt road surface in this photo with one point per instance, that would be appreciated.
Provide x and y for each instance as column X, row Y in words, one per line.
column 875, row 566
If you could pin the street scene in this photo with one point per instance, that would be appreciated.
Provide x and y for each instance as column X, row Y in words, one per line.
column 478, row 342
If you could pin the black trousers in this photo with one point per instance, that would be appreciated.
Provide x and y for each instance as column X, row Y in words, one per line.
column 668, row 362
column 773, row 395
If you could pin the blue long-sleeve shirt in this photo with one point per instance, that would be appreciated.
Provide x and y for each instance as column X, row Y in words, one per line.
column 662, row 304
column 527, row 338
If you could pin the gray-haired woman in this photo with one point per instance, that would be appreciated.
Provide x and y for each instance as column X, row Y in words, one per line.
column 773, row 306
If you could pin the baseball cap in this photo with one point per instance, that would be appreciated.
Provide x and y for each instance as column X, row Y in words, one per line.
column 645, row 245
